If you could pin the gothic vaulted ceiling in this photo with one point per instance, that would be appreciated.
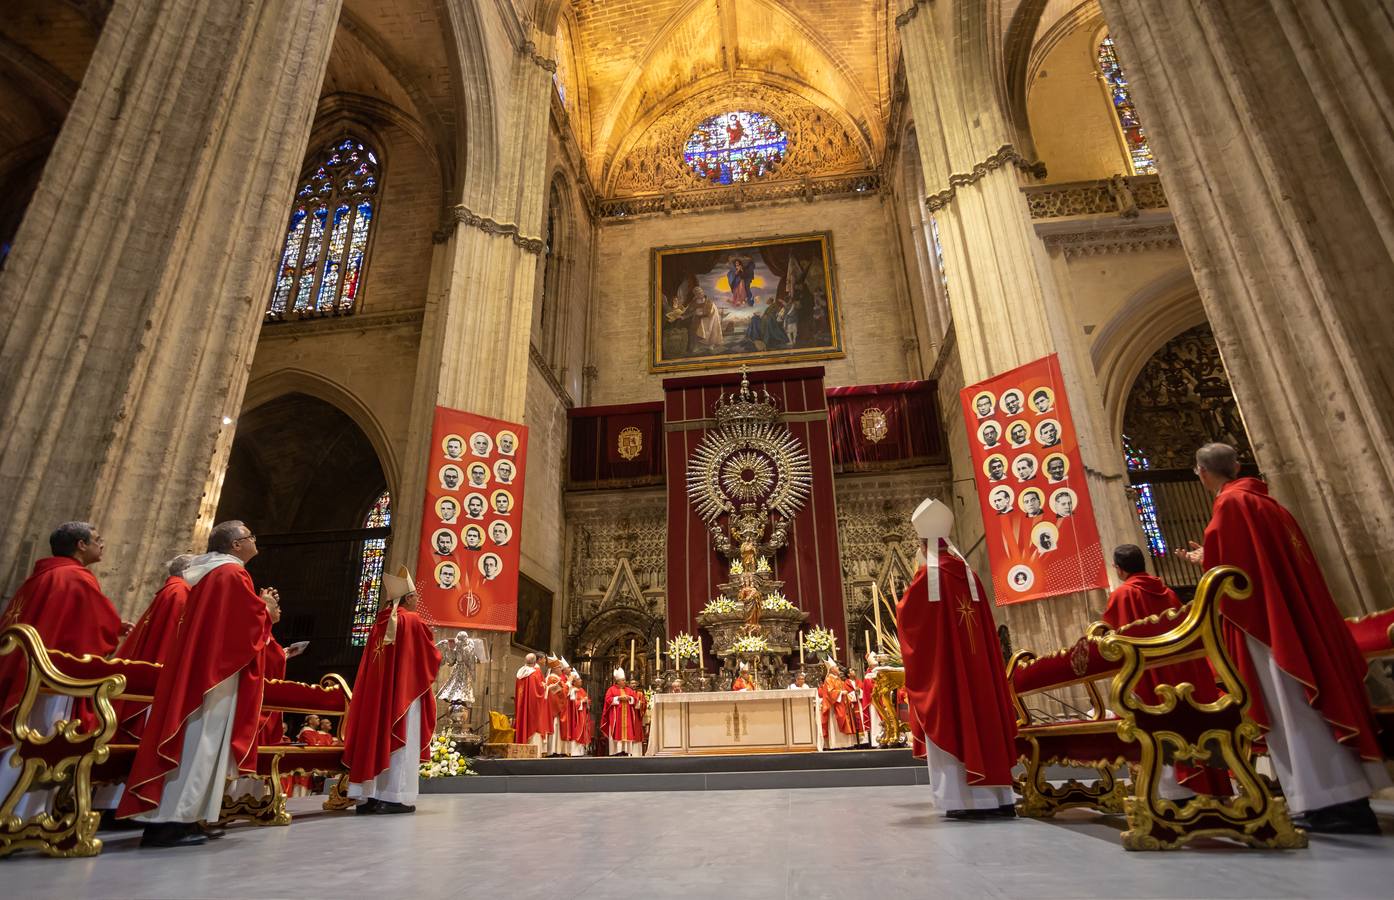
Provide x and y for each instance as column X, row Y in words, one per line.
column 638, row 64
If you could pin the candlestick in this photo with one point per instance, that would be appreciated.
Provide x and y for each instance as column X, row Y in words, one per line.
column 657, row 655
column 701, row 657
column 876, row 612
column 631, row 657
column 866, row 636
column 800, row 648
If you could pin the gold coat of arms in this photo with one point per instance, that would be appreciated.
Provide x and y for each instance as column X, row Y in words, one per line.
column 874, row 425
column 630, row 442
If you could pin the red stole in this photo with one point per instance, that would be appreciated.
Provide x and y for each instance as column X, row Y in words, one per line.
column 273, row 665
column 150, row 641
column 579, row 715
column 829, row 691
column 226, row 626
column 740, row 684
column 1290, row 611
column 531, row 712
column 391, row 677
column 63, row 602
column 954, row 671
column 621, row 721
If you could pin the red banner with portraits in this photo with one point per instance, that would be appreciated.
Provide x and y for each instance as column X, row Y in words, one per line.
column 1041, row 537
column 471, row 526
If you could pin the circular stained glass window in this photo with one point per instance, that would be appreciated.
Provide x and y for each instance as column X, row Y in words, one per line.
column 735, row 146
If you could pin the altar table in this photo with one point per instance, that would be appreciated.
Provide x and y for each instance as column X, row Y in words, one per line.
column 692, row 724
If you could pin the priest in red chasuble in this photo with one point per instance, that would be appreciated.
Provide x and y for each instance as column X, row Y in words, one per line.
column 151, row 638
column 1140, row 596
column 532, row 714
column 960, row 707
column 556, row 684
column 388, row 732
column 621, row 722
column 579, row 715
column 62, row 601
column 744, row 681
column 206, row 714
column 835, row 697
column 1293, row 649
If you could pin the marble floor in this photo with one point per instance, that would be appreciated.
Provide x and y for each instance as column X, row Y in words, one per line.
column 866, row 842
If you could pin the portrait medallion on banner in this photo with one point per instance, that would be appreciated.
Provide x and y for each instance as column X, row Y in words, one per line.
column 874, row 426
column 630, row 442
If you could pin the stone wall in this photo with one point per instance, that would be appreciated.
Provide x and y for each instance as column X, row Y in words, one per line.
column 1072, row 123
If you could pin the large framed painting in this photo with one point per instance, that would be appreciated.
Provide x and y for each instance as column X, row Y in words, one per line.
column 769, row 300
column 534, row 616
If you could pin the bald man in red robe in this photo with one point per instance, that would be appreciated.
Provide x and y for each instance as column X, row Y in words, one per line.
column 1292, row 647
column 393, row 713
column 960, row 706
column 62, row 601
column 151, row 638
column 532, row 715
column 1139, row 596
column 207, row 710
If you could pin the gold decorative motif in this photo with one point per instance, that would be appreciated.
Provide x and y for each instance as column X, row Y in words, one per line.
column 1079, row 657
column 883, row 688
column 630, row 442
column 874, row 425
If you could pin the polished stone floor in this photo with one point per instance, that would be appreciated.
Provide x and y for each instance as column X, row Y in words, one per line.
column 865, row 842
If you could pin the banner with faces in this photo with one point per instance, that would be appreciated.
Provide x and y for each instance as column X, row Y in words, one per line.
column 1041, row 537
column 467, row 565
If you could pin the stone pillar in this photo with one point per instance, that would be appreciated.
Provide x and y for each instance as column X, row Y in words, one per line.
column 136, row 287
column 1269, row 119
column 478, row 320
column 1006, row 307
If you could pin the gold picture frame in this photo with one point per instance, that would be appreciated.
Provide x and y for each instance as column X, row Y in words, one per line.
column 761, row 301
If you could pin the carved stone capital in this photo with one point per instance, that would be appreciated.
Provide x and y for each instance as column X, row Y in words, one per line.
column 529, row 50
column 904, row 18
column 465, row 216
column 1004, row 155
column 1096, row 242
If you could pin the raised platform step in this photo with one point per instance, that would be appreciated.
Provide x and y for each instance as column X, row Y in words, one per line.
column 842, row 768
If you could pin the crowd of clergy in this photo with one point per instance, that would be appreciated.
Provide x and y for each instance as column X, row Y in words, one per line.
column 210, row 630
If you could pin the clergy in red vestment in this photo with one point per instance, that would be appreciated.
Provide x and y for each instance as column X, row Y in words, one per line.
column 273, row 665
column 532, row 714
column 206, row 714
column 582, row 730
column 388, row 732
column 621, row 722
column 62, row 601
column 1139, row 596
column 744, row 681
column 839, row 729
column 150, row 639
column 871, row 716
column 1293, row 649
column 960, row 706
column 556, row 685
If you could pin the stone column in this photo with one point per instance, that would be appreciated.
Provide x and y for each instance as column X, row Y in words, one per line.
column 478, row 321
column 1269, row 119
column 136, row 287
column 1006, row 307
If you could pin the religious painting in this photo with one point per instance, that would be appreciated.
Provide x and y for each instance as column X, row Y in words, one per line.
column 534, row 616
column 771, row 300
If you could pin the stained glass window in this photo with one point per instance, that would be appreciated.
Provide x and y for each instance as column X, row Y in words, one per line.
column 1146, row 506
column 736, row 146
column 939, row 255
column 1134, row 138
column 321, row 268
column 365, row 608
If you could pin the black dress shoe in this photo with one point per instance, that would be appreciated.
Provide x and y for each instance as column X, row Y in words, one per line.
column 1352, row 817
column 212, row 832
column 395, row 809
column 111, row 823
column 369, row 807
column 172, row 834
column 1005, row 811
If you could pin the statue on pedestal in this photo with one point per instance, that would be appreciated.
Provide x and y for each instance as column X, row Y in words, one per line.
column 461, row 653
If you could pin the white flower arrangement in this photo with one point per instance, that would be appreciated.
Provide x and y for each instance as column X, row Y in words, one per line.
column 776, row 600
column 762, row 567
column 820, row 640
column 683, row 646
column 737, row 568
column 721, row 606
column 445, row 760
column 751, row 643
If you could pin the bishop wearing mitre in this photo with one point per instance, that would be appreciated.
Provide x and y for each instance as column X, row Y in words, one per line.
column 557, row 686
column 959, row 704
column 835, row 696
column 622, row 723
column 207, row 708
column 388, row 732
column 532, row 713
column 579, row 713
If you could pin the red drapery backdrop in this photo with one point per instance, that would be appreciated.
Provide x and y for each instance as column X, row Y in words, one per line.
column 810, row 565
column 616, row 446
column 907, row 410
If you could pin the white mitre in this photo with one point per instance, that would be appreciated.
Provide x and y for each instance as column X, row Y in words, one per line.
column 395, row 587
column 933, row 520
column 619, row 674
